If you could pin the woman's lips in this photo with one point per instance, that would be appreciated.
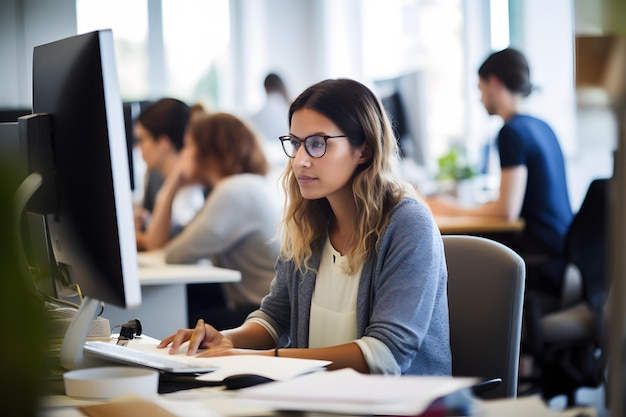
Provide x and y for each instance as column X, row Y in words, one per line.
column 304, row 180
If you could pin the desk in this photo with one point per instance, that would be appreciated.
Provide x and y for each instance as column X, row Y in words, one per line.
column 163, row 307
column 214, row 401
column 472, row 225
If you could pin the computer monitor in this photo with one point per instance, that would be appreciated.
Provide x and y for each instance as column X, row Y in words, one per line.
column 10, row 155
column 132, row 109
column 80, row 181
column 404, row 99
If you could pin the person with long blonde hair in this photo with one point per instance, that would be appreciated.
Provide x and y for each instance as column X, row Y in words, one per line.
column 361, row 275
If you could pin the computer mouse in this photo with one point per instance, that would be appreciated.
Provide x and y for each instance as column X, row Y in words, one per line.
column 244, row 380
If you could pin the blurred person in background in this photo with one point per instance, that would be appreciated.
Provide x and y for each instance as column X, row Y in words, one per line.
column 159, row 131
column 237, row 225
column 533, row 181
column 271, row 120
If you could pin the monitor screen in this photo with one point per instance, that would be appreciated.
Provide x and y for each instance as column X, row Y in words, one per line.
column 404, row 99
column 85, row 175
column 132, row 109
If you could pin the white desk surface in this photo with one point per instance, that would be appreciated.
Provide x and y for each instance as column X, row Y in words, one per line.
column 214, row 401
column 186, row 274
column 154, row 271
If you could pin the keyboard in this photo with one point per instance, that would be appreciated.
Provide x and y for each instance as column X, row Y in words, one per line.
column 148, row 357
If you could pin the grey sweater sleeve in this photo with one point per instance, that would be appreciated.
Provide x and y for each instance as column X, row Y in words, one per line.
column 408, row 305
column 230, row 213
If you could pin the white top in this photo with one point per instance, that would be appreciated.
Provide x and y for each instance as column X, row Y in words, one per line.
column 333, row 306
column 187, row 202
column 333, row 314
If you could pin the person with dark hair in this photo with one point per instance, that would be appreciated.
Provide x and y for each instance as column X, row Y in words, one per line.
column 274, row 84
column 361, row 276
column 533, row 183
column 159, row 130
column 271, row 119
column 237, row 225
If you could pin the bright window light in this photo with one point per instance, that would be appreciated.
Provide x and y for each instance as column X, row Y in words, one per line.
column 499, row 10
column 194, row 45
column 129, row 22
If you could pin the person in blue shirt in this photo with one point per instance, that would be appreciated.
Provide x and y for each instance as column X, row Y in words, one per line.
column 361, row 276
column 533, row 183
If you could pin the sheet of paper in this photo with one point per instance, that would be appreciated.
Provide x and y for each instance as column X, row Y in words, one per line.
column 277, row 368
column 348, row 391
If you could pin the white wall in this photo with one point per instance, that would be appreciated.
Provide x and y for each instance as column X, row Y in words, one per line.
column 11, row 53
column 281, row 36
column 546, row 35
column 25, row 24
column 292, row 38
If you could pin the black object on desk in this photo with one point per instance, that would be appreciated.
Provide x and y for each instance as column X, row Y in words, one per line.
column 244, row 381
column 169, row 382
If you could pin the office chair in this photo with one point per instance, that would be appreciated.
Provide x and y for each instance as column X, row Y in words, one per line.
column 485, row 298
column 568, row 344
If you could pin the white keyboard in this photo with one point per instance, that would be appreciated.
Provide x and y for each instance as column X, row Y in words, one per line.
column 178, row 364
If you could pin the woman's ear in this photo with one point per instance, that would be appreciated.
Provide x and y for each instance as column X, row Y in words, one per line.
column 366, row 154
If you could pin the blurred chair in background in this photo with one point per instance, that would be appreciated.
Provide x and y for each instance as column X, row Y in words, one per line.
column 568, row 343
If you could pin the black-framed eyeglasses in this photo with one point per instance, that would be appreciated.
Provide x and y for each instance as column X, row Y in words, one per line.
column 314, row 145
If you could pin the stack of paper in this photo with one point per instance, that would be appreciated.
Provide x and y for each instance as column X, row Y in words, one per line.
column 276, row 368
column 347, row 391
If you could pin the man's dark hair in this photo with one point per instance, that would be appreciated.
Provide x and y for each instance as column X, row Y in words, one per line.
column 511, row 68
column 167, row 116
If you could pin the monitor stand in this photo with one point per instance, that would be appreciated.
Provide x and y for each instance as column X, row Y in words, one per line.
column 72, row 356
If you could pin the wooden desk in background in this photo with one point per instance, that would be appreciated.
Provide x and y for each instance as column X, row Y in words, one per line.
column 470, row 225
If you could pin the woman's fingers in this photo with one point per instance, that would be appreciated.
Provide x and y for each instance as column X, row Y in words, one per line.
column 197, row 337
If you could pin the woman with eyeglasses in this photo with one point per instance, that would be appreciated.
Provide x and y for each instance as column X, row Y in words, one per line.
column 361, row 276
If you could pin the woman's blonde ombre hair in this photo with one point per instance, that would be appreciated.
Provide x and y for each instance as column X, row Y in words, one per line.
column 376, row 186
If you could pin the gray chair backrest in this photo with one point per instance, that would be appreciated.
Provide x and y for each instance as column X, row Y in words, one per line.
column 485, row 298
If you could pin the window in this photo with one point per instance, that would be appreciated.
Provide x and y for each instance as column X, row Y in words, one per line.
column 164, row 48
column 407, row 36
column 129, row 22
column 196, row 44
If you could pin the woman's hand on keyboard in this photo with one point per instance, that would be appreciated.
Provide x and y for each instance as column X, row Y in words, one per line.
column 203, row 336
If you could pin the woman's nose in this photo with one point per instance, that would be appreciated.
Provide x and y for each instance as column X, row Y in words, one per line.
column 302, row 157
